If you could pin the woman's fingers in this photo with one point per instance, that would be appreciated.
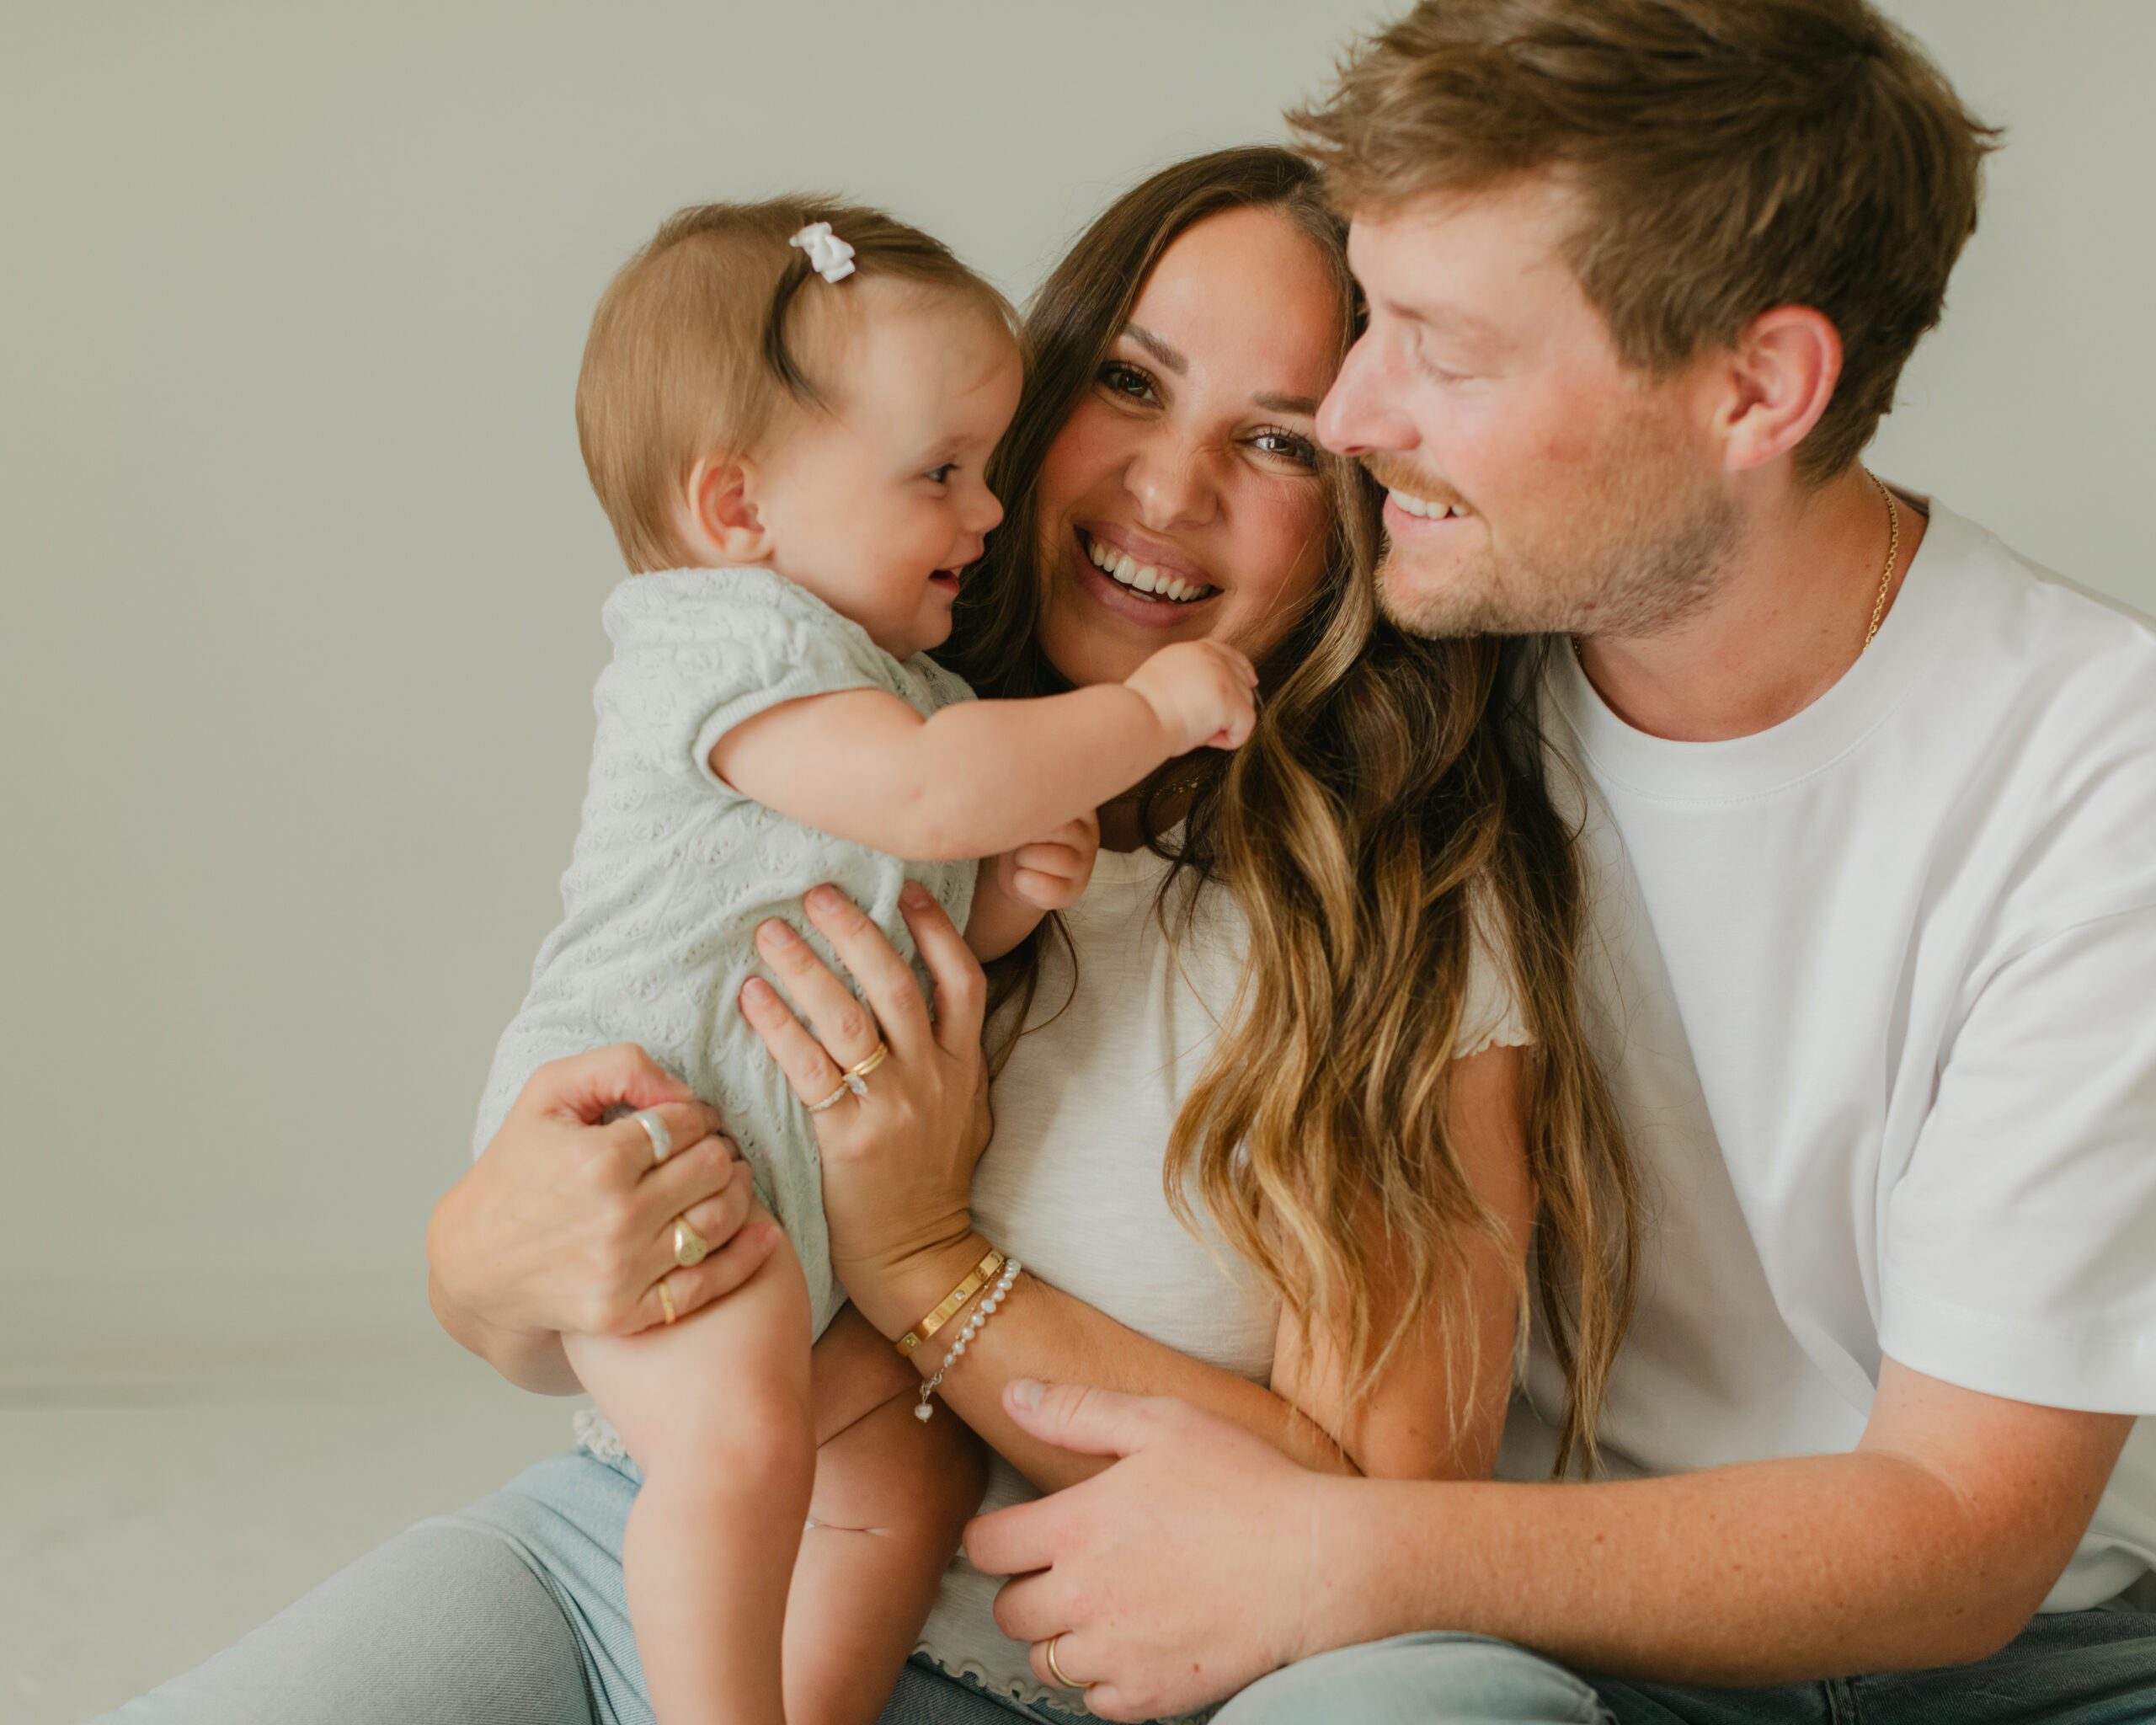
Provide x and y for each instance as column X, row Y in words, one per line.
column 585, row 1086
column 846, row 1028
column 885, row 977
column 808, row 1066
column 727, row 1269
column 961, row 988
column 682, row 1126
column 714, row 1190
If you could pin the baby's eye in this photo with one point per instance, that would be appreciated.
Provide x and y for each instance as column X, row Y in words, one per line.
column 1122, row 378
column 942, row 476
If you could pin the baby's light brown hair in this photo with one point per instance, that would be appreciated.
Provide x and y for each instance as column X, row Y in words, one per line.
column 705, row 336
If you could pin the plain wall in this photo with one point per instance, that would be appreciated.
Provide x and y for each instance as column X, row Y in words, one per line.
column 300, row 576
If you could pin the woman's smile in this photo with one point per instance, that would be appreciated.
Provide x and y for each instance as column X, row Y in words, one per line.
column 1139, row 578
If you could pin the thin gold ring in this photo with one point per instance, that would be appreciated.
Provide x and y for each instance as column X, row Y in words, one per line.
column 666, row 1299
column 1054, row 1670
column 691, row 1248
column 854, row 1078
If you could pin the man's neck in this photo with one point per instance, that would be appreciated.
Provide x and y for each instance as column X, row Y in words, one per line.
column 1788, row 620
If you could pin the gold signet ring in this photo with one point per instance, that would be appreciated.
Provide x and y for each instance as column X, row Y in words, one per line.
column 689, row 1247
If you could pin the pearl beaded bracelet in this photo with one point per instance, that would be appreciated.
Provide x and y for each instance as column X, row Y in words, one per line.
column 982, row 1314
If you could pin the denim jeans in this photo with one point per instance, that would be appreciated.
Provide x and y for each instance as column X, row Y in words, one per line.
column 511, row 1612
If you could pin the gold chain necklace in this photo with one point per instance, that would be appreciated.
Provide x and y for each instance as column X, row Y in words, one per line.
column 1885, row 575
column 1894, row 550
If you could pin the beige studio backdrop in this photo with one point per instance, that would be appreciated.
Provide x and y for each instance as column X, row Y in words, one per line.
column 299, row 576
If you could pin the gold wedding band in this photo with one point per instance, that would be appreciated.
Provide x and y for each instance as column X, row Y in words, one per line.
column 666, row 1299
column 1054, row 1670
column 854, row 1078
column 691, row 1248
column 654, row 1129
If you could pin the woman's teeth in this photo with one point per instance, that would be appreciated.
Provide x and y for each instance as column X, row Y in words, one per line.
column 1428, row 511
column 1118, row 566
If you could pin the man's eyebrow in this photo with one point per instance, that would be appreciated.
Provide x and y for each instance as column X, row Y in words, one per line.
column 1159, row 349
column 1446, row 318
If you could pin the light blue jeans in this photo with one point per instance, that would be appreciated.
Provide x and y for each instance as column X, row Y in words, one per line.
column 511, row 1612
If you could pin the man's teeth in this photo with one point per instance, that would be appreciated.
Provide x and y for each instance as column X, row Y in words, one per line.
column 1120, row 566
column 1428, row 511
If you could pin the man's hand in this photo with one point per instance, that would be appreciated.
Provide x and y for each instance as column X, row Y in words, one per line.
column 1186, row 1570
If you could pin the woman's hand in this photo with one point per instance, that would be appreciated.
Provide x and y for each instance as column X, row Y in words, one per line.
column 566, row 1223
column 899, row 1156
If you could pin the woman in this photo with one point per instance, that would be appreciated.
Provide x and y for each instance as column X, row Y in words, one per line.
column 1330, row 975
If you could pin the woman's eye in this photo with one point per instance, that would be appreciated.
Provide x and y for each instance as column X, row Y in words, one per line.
column 1289, row 446
column 1123, row 379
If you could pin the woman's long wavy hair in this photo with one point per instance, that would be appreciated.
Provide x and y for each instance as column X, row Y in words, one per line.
column 1390, row 799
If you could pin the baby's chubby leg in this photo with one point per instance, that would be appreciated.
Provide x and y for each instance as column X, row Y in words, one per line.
column 716, row 1413
column 892, row 1495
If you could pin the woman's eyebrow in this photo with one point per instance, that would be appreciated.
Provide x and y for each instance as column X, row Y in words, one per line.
column 1159, row 349
column 1174, row 361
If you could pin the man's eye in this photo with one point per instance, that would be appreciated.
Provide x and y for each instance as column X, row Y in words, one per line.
column 1126, row 380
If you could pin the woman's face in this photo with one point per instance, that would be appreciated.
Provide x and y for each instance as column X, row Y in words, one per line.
column 1181, row 499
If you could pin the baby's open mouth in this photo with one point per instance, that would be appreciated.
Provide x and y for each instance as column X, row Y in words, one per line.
column 1157, row 584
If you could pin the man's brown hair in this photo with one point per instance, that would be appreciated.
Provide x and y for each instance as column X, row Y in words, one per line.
column 1729, row 157
column 705, row 333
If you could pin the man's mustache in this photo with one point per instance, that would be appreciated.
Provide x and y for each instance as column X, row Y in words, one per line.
column 1395, row 474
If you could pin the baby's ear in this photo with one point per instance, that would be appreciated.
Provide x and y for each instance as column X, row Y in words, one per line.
column 722, row 524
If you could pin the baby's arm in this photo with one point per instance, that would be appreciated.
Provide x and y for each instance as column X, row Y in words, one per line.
column 893, row 1494
column 983, row 776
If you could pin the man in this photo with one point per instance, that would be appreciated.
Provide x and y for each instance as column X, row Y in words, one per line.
column 1870, row 808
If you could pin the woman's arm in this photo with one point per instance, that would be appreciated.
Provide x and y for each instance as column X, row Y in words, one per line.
column 565, row 1223
column 898, row 1164
column 982, row 776
column 1436, row 1411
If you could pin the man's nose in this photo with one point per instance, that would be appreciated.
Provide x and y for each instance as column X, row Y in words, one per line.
column 1364, row 411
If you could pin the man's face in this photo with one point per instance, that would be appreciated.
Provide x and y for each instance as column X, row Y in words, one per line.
column 1538, row 483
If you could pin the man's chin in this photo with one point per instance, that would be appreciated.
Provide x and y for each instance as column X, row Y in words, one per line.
column 1434, row 603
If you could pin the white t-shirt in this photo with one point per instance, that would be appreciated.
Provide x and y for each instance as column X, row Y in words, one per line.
column 1071, row 1185
column 1877, row 988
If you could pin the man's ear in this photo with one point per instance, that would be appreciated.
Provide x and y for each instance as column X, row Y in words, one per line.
column 1778, row 379
column 723, row 521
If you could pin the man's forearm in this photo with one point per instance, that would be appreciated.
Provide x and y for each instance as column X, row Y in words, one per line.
column 1770, row 1572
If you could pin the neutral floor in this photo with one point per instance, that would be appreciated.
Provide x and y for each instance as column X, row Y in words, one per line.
column 143, row 1528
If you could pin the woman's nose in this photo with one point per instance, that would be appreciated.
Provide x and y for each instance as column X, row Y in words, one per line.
column 1362, row 413
column 1171, row 481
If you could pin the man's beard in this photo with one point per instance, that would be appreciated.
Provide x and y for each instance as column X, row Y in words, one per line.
column 1641, row 572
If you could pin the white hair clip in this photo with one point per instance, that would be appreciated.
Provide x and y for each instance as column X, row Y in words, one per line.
column 829, row 256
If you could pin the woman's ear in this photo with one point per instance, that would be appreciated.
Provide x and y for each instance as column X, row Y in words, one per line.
column 1779, row 376
column 723, row 525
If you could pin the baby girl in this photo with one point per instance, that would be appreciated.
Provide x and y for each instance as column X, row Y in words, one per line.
column 787, row 410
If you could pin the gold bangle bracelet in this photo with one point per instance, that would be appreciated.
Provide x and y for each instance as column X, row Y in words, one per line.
column 976, row 1278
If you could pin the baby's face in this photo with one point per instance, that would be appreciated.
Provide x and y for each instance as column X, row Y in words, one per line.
column 875, row 508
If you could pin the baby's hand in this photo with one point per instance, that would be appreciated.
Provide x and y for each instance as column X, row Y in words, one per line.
column 1050, row 874
column 1200, row 690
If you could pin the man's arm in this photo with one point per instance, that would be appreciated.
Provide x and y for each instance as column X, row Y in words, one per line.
column 1202, row 1561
